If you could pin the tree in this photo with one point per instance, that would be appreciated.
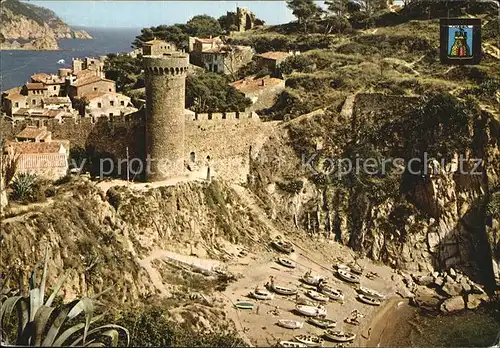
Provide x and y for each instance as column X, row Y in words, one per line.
column 203, row 26
column 176, row 34
column 123, row 69
column 337, row 7
column 211, row 92
column 304, row 10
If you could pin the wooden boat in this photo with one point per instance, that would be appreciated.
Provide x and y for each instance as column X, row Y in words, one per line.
column 348, row 276
column 283, row 290
column 310, row 279
column 290, row 324
column 343, row 267
column 310, row 340
column 244, row 305
column 283, row 246
column 287, row 263
column 262, row 294
column 317, row 296
column 291, row 344
column 356, row 269
column 352, row 321
column 339, row 336
column 369, row 300
column 333, row 294
column 370, row 292
column 323, row 323
column 311, row 311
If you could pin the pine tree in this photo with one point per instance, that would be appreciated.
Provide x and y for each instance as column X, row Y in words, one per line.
column 304, row 10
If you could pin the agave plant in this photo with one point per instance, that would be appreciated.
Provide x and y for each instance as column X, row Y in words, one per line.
column 23, row 186
column 39, row 323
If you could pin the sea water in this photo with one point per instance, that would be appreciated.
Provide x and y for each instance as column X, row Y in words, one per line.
column 16, row 66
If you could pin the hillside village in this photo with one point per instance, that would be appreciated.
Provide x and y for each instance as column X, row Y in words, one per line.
column 237, row 109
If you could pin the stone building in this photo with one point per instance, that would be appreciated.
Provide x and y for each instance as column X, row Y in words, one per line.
column 272, row 60
column 262, row 92
column 95, row 65
column 54, row 83
column 106, row 104
column 226, row 59
column 90, row 84
column 165, row 80
column 36, row 152
column 155, row 47
column 43, row 115
column 198, row 45
column 56, row 103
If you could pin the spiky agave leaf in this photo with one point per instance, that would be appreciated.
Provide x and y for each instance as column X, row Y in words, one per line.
column 73, row 330
column 104, row 330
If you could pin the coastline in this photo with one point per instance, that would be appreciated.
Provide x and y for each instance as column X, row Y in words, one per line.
column 384, row 322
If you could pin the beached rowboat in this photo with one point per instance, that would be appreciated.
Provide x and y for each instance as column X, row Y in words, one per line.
column 310, row 340
column 342, row 266
column 290, row 344
column 317, row 296
column 244, row 305
column 283, row 290
column 369, row 300
column 283, row 246
column 287, row 263
column 290, row 324
column 333, row 294
column 311, row 280
column 370, row 292
column 356, row 269
column 311, row 311
column 348, row 276
column 262, row 295
column 322, row 322
column 339, row 336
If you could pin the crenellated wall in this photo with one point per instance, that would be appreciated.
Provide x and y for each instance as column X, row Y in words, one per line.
column 222, row 116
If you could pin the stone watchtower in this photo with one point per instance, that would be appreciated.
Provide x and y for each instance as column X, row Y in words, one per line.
column 165, row 80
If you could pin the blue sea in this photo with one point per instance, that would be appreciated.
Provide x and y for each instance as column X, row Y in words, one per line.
column 17, row 66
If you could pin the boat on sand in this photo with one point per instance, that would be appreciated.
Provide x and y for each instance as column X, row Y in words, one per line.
column 370, row 292
column 339, row 336
column 283, row 246
column 244, row 305
column 317, row 296
column 323, row 323
column 311, row 311
column 310, row 340
column 311, row 279
column 369, row 300
column 260, row 294
column 287, row 263
column 283, row 290
column 291, row 344
column 290, row 323
column 333, row 294
column 348, row 276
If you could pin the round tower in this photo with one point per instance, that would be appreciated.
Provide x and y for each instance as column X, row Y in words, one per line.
column 165, row 80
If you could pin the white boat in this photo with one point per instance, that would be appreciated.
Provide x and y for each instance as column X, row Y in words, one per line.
column 356, row 269
column 369, row 300
column 323, row 323
column 283, row 246
column 283, row 290
column 290, row 324
column 348, row 276
column 317, row 296
column 311, row 280
column 333, row 294
column 340, row 336
column 311, row 311
column 287, row 263
column 61, row 61
column 343, row 267
column 262, row 294
column 291, row 344
column 370, row 292
column 310, row 340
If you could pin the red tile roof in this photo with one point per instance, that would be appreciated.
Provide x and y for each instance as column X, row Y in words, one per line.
column 16, row 96
column 208, row 41
column 35, row 85
column 274, row 55
column 35, row 148
column 32, row 132
column 40, row 77
column 56, row 100
column 89, row 80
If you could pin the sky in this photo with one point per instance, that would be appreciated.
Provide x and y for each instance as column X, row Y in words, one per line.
column 139, row 14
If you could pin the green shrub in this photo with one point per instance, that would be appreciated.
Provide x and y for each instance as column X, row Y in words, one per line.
column 23, row 187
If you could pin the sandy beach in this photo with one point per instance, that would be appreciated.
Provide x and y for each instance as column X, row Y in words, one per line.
column 259, row 325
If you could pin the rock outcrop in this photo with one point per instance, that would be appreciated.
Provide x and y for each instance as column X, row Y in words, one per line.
column 26, row 26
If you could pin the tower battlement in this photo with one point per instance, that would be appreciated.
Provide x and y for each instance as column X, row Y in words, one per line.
column 174, row 63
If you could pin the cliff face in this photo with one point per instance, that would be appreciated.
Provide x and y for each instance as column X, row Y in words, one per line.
column 27, row 26
column 421, row 223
